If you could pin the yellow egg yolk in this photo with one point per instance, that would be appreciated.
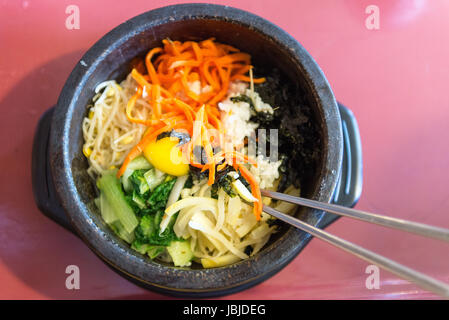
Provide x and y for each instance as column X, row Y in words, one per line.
column 165, row 155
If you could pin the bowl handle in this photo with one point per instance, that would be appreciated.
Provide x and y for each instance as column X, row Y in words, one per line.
column 349, row 185
column 42, row 181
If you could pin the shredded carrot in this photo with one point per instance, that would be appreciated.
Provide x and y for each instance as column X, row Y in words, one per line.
column 170, row 87
column 187, row 109
column 255, row 190
column 246, row 78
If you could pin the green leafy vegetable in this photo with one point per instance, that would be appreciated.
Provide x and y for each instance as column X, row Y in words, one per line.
column 138, row 181
column 138, row 200
column 107, row 212
column 158, row 198
column 154, row 178
column 118, row 228
column 112, row 189
column 139, row 163
column 145, row 229
column 189, row 182
column 151, row 250
column 148, row 231
column 155, row 251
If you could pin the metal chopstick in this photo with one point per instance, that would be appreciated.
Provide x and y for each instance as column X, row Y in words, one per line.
column 422, row 280
column 390, row 222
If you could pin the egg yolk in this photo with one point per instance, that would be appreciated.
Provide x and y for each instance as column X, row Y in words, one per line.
column 165, row 155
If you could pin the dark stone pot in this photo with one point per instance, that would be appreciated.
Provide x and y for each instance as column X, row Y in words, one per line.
column 64, row 191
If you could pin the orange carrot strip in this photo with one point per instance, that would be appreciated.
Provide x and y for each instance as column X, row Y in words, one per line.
column 170, row 114
column 175, row 87
column 216, row 77
column 184, row 63
column 197, row 50
column 171, row 46
column 156, row 95
column 210, row 80
column 248, row 79
column 130, row 106
column 149, row 64
column 193, row 76
column 217, row 123
column 140, row 79
column 255, row 190
column 185, row 56
column 188, row 110
column 224, row 90
column 241, row 70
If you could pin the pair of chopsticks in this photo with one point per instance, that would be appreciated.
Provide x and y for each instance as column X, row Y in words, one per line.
column 420, row 279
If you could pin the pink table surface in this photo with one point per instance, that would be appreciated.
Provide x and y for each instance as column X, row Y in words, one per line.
column 394, row 79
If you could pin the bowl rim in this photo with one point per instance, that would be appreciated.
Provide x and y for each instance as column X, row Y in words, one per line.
column 118, row 254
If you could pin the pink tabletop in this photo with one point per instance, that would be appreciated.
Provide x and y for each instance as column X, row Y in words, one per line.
column 394, row 79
